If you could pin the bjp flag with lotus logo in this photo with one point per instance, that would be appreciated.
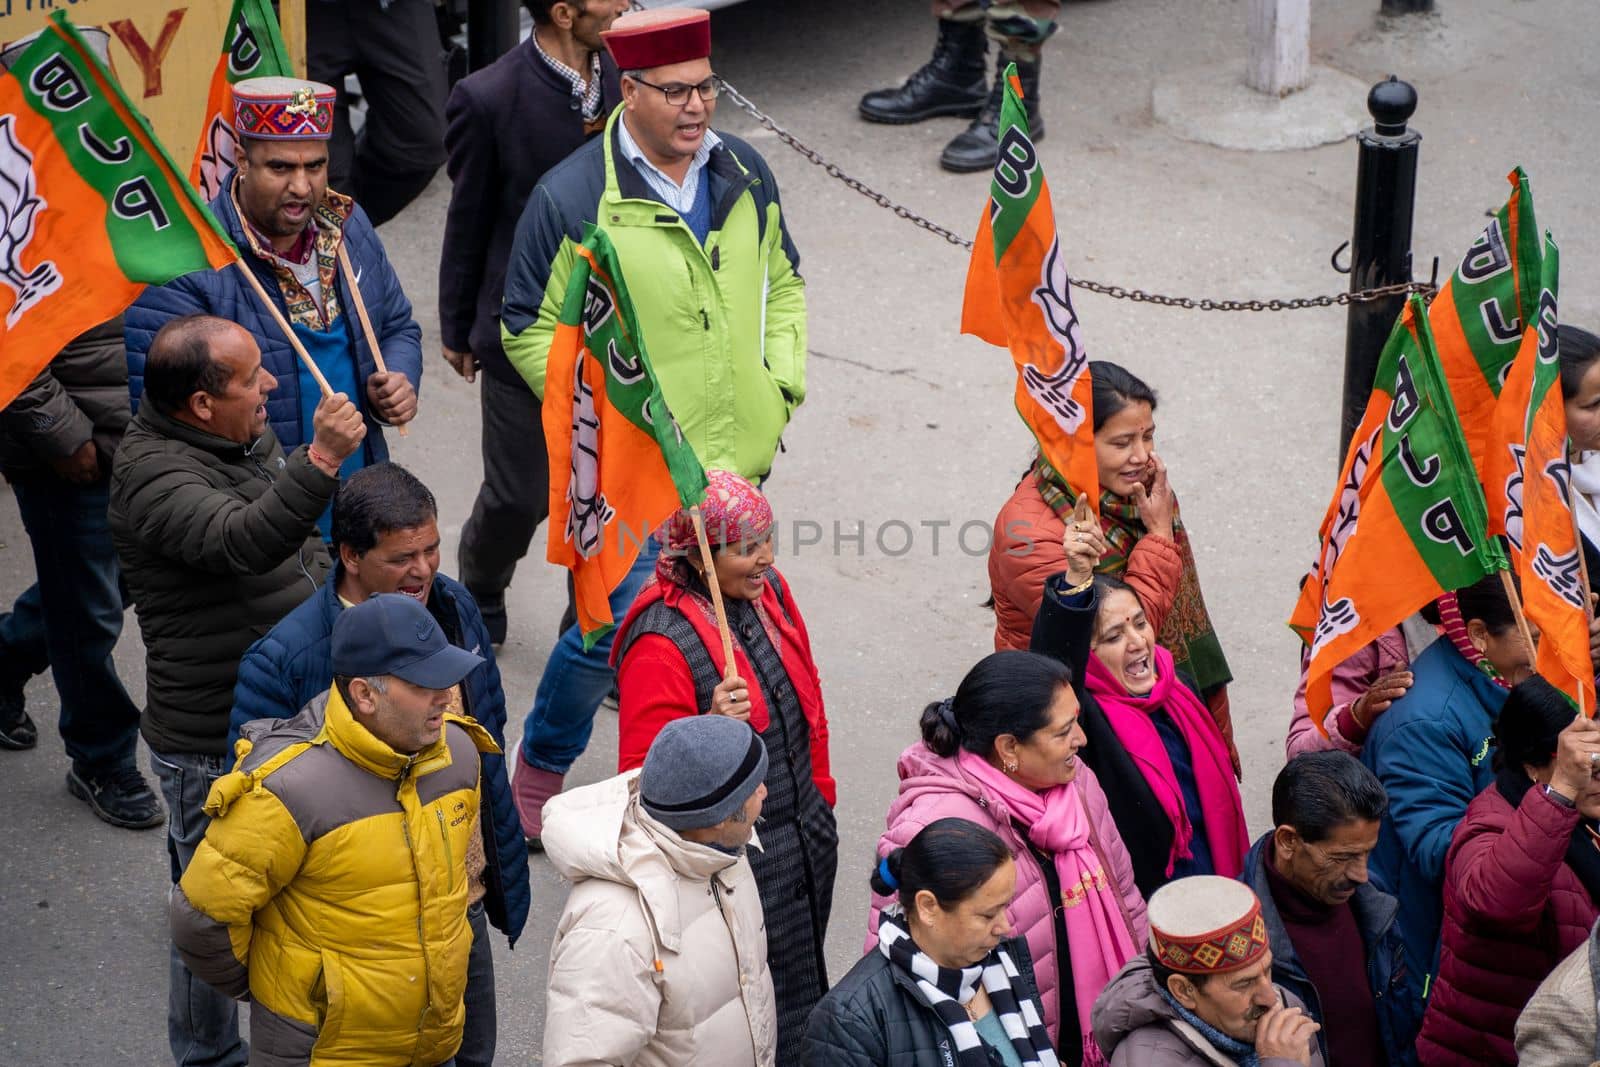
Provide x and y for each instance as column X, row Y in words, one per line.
column 1407, row 522
column 1527, row 479
column 91, row 208
column 1019, row 297
column 619, row 463
column 253, row 48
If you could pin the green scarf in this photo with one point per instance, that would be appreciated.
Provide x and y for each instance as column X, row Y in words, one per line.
column 1186, row 632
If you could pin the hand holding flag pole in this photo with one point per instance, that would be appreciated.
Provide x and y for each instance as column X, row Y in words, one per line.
column 728, row 669
column 366, row 321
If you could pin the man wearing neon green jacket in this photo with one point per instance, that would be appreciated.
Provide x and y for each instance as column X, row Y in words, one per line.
column 698, row 229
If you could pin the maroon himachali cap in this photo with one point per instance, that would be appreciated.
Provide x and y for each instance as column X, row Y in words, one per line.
column 644, row 39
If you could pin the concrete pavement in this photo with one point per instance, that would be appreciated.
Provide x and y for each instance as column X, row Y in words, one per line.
column 908, row 425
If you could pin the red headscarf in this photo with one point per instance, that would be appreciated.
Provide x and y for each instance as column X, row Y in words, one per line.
column 734, row 512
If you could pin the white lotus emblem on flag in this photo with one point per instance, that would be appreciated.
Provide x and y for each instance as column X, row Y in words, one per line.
column 590, row 513
column 1338, row 617
column 1054, row 391
column 20, row 205
column 1560, row 573
column 216, row 161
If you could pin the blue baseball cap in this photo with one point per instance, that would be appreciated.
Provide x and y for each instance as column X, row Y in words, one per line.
column 393, row 634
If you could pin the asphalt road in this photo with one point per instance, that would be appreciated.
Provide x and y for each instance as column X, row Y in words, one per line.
column 908, row 427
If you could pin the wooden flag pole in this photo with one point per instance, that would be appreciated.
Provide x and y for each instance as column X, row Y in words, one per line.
column 283, row 324
column 1516, row 611
column 366, row 323
column 729, row 670
column 1588, row 597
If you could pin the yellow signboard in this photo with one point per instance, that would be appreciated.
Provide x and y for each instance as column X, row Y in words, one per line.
column 162, row 51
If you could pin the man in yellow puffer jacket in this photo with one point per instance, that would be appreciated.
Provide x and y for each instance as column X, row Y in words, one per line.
column 331, row 887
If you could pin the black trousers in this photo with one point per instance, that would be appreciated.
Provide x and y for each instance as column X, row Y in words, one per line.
column 515, row 495
column 396, row 53
column 70, row 618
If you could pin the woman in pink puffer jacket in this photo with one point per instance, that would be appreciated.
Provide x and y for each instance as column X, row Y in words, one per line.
column 1003, row 754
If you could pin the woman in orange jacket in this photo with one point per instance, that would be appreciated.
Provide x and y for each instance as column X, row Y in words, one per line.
column 1149, row 546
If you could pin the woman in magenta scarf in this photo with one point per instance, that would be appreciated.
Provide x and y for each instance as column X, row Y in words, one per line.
column 1003, row 753
column 1152, row 744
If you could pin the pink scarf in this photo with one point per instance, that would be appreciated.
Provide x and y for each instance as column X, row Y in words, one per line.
column 1213, row 771
column 1098, row 939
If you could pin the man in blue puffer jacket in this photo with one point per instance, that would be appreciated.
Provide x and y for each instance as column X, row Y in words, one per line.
column 386, row 536
column 293, row 231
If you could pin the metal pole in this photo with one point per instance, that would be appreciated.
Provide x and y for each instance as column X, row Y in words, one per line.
column 492, row 31
column 1406, row 7
column 1380, row 245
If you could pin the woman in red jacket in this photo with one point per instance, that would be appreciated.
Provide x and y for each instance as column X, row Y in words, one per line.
column 1148, row 544
column 1521, row 879
column 669, row 663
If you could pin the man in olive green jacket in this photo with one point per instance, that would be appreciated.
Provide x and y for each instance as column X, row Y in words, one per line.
column 216, row 531
column 695, row 219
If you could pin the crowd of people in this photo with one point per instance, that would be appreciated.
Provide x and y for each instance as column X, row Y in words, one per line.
column 1066, row 875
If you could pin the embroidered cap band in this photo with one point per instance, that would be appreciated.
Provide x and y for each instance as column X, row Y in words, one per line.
column 283, row 109
column 1206, row 925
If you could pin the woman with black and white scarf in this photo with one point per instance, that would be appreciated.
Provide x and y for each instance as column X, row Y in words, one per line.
column 948, row 983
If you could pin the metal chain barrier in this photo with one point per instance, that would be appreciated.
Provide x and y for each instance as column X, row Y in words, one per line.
column 1115, row 292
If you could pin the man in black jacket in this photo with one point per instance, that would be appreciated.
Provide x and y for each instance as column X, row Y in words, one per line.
column 393, row 48
column 57, row 439
column 508, row 124
column 216, row 530
column 1335, row 942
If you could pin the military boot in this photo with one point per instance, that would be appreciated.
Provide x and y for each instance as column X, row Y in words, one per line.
column 951, row 83
column 977, row 147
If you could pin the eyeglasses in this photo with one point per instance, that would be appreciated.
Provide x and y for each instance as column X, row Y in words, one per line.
column 678, row 95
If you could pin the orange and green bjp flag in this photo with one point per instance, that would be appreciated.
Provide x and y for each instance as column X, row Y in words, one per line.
column 619, row 464
column 1019, row 297
column 91, row 208
column 252, row 47
column 1407, row 521
column 1528, row 483
column 1479, row 316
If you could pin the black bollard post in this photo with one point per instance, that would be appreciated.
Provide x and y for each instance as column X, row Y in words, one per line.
column 1380, row 246
column 492, row 30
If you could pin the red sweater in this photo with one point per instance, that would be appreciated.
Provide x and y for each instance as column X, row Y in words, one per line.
column 1327, row 943
column 654, row 685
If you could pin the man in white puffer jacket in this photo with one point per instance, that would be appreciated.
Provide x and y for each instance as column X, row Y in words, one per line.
column 660, row 957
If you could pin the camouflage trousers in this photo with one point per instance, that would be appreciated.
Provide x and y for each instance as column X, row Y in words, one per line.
column 1020, row 27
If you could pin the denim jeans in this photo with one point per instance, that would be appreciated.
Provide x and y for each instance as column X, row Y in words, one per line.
column 478, row 1039
column 70, row 620
column 575, row 682
column 202, row 1024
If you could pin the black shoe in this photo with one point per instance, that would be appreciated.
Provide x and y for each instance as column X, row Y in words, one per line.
column 121, row 796
column 951, row 83
column 978, row 146
column 17, row 731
